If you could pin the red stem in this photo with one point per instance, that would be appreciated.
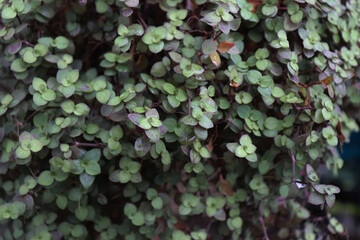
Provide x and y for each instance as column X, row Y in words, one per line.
column 89, row 144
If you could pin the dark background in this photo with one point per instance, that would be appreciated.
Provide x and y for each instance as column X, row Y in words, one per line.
column 347, row 206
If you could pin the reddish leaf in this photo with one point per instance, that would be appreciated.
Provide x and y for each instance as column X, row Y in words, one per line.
column 224, row 46
column 209, row 146
column 305, row 93
column 326, row 81
column 234, row 84
column 215, row 58
column 340, row 136
column 255, row 3
column 180, row 225
column 140, row 60
column 357, row 85
column 302, row 89
column 225, row 187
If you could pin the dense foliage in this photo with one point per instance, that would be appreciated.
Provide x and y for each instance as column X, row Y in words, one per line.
column 171, row 119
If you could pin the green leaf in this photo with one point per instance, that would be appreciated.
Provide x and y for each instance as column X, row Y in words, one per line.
column 93, row 155
column 284, row 191
column 22, row 153
column 68, row 91
column 206, row 122
column 271, row 123
column 209, row 46
column 269, row 10
column 81, row 213
column 251, row 157
column 61, row 42
column 6, row 99
column 253, row 76
column 158, row 70
column 138, row 219
column 332, row 141
column 103, row 96
column 124, row 176
column 110, row 56
column 155, row 122
column 49, row 95
column 232, row 146
column 328, row 132
column 29, row 56
column 61, row 201
column 240, row 152
column 86, row 180
column 45, row 178
column 157, row 203
column 36, row 145
column 93, row 168
column 151, row 194
column 92, row 128
column 316, row 198
column 156, row 47
column 169, row 88
column 8, row 13
column 243, row 111
column 312, row 175
column 81, row 109
column 277, row 92
column 77, row 231
column 246, row 14
column 144, row 123
column 18, row 66
column 245, row 140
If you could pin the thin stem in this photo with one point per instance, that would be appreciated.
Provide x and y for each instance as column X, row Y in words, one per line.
column 214, row 174
column 19, row 124
column 189, row 101
column 208, row 227
column 31, row 172
column 302, row 108
column 293, row 164
column 264, row 228
column 231, row 122
column 89, row 144
column 31, row 115
column 142, row 22
column 27, row 43
column 217, row 35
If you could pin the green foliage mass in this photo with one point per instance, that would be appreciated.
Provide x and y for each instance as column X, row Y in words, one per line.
column 172, row 119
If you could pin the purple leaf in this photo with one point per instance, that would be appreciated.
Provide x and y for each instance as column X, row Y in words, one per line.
column 135, row 118
column 295, row 79
column 14, row 47
column 330, row 200
column 82, row 87
column 153, row 134
column 224, row 27
column 316, row 198
column 152, row 113
column 132, row 3
column 127, row 12
column 163, row 129
column 142, row 146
